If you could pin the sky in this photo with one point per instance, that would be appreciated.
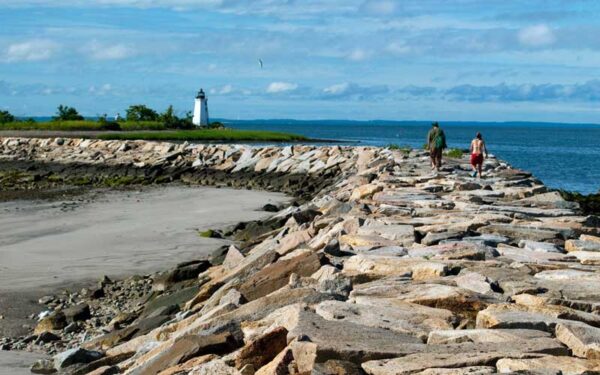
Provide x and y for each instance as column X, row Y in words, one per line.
column 460, row 60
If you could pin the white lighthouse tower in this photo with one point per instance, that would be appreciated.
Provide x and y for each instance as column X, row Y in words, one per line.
column 200, row 110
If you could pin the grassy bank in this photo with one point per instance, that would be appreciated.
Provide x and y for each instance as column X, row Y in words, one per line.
column 84, row 125
column 148, row 130
column 206, row 135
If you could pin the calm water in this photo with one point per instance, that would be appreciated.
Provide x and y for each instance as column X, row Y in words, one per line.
column 565, row 156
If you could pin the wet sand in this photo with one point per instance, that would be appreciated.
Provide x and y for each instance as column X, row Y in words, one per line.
column 48, row 246
column 17, row 363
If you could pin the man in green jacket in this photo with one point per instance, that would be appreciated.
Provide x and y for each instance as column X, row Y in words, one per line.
column 436, row 143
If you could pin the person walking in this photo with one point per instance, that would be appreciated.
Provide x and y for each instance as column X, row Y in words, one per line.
column 436, row 143
column 478, row 152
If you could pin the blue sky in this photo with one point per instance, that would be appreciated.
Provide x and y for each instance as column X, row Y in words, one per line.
column 488, row 60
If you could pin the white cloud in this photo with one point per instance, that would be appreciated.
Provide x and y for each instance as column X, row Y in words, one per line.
column 98, row 51
column 223, row 90
column 276, row 87
column 536, row 36
column 337, row 89
column 398, row 48
column 32, row 50
column 102, row 90
column 359, row 54
column 349, row 90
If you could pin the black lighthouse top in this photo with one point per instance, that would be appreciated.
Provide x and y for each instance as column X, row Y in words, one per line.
column 200, row 94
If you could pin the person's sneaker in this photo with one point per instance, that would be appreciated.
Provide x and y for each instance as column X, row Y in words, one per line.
column 474, row 174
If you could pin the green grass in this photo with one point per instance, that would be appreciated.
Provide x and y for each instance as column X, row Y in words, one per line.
column 207, row 135
column 83, row 125
column 153, row 130
column 405, row 149
column 454, row 153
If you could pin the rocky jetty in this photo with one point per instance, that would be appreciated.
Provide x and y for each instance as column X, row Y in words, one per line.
column 384, row 267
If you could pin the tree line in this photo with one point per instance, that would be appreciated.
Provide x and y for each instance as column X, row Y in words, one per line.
column 135, row 113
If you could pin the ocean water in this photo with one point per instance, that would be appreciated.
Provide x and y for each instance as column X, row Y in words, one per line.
column 563, row 156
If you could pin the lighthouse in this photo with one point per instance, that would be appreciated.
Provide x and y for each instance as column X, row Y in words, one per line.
column 200, row 110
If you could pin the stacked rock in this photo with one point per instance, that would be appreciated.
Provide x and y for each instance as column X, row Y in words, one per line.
column 388, row 268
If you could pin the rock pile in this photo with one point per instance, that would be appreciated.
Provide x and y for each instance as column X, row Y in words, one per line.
column 388, row 268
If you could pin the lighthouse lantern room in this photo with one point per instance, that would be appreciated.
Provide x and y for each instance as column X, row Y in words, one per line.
column 200, row 110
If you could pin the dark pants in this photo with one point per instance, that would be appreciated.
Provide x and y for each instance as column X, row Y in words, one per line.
column 436, row 157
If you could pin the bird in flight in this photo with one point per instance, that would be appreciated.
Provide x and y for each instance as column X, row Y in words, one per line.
column 260, row 62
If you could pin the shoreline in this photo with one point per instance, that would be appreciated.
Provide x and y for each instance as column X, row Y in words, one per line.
column 123, row 135
column 145, row 228
column 382, row 266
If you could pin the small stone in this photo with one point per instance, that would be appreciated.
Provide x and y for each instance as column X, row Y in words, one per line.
column 43, row 366
column 270, row 208
column 52, row 322
column 77, row 313
column 46, row 300
column 47, row 337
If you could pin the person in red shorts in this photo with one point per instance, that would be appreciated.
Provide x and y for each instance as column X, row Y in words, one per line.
column 478, row 150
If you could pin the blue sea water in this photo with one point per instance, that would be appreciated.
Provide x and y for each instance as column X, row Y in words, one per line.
column 564, row 156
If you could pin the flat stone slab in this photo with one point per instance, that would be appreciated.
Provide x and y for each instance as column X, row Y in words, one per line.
column 448, row 297
column 450, row 250
column 471, row 370
column 389, row 265
column 543, row 318
column 543, row 247
column 352, row 342
column 527, row 256
column 413, row 320
column 483, row 335
column 569, row 275
column 533, row 212
column 463, row 355
column 518, row 233
column 401, row 234
column 579, row 245
column 587, row 257
column 582, row 339
column 548, row 364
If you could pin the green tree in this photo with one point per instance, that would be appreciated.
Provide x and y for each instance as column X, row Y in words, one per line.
column 6, row 117
column 141, row 113
column 66, row 113
column 169, row 119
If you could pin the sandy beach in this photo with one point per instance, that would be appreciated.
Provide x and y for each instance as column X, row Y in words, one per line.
column 47, row 246
column 44, row 243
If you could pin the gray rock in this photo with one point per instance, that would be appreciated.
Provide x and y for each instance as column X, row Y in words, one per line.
column 352, row 342
column 543, row 247
column 435, row 238
column 462, row 355
column 414, row 321
column 547, row 365
column 483, row 336
column 579, row 245
column 75, row 356
column 517, row 233
column 475, row 282
column 582, row 339
column 77, row 313
column 487, row 239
